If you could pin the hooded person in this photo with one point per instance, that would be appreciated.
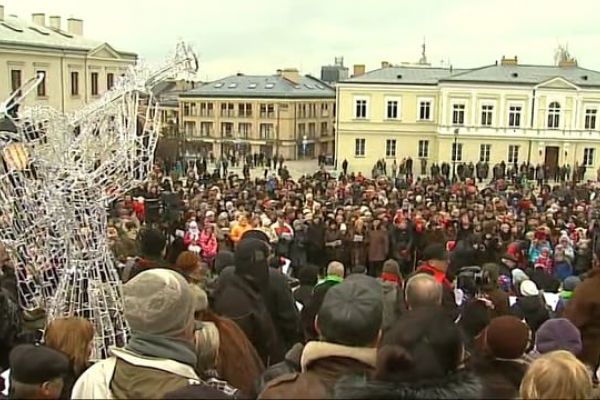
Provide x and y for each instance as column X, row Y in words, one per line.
column 242, row 297
column 566, row 293
column 391, row 283
column 349, row 326
column 557, row 334
column 160, row 356
column 191, row 238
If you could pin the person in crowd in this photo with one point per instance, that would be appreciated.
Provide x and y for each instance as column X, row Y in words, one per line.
column 208, row 245
column 501, row 364
column 159, row 356
column 378, row 242
column 36, row 372
column 583, row 311
column 421, row 357
column 73, row 337
column 298, row 247
column 349, row 326
column 308, row 278
column 391, row 283
column 436, row 264
column 242, row 296
column 557, row 334
column 530, row 306
column 239, row 229
column 191, row 239
column 335, row 275
column 492, row 291
column 153, row 243
column 423, row 291
column 556, row 375
column 475, row 316
column 189, row 265
column 566, row 293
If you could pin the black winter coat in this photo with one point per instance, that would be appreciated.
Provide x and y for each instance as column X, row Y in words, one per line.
column 532, row 309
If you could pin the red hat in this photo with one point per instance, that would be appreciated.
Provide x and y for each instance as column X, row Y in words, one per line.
column 540, row 235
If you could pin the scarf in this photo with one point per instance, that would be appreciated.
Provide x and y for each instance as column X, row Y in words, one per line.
column 389, row 277
column 566, row 294
column 155, row 346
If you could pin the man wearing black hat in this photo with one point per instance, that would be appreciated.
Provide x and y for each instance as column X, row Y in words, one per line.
column 36, row 372
column 436, row 264
column 349, row 326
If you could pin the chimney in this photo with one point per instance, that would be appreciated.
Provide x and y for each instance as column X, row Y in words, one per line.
column 38, row 19
column 509, row 61
column 359, row 69
column 54, row 22
column 291, row 74
column 385, row 64
column 1, row 12
column 75, row 26
column 568, row 63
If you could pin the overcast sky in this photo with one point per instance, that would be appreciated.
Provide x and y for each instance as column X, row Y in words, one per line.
column 259, row 36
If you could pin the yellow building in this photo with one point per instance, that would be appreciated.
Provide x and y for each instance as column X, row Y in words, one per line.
column 77, row 70
column 285, row 114
column 501, row 112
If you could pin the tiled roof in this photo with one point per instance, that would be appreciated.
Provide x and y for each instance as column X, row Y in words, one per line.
column 14, row 30
column 528, row 74
column 501, row 74
column 405, row 75
column 266, row 86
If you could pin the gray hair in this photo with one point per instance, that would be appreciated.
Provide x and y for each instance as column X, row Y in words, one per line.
column 335, row 268
column 422, row 290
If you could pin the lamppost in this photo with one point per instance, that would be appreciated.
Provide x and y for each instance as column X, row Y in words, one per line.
column 454, row 154
column 304, row 145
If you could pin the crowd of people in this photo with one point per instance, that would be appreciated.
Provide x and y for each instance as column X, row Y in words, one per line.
column 390, row 286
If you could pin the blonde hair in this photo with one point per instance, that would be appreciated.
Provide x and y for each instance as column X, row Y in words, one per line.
column 207, row 346
column 556, row 375
column 72, row 336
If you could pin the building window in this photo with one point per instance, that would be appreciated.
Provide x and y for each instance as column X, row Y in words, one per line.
column 458, row 114
column 360, row 108
column 94, row 83
column 227, row 110
column 110, row 80
column 74, row 83
column 554, row 115
column 206, row 128
column 324, row 110
column 513, row 154
column 390, row 148
column 245, row 110
column 514, row 116
column 227, row 129
column 484, row 152
column 15, row 79
column 312, row 130
column 324, row 131
column 41, row 88
column 590, row 118
column 487, row 111
column 359, row 147
column 423, row 151
column 392, row 109
column 245, row 130
column 588, row 156
column 206, row 109
column 189, row 128
column 267, row 110
column 302, row 130
column 425, row 110
column 457, row 151
column 266, row 131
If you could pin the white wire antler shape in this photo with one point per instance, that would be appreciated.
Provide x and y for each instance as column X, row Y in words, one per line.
column 57, row 173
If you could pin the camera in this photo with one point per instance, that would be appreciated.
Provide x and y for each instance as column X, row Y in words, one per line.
column 472, row 280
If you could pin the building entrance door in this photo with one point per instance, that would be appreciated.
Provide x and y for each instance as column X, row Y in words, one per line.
column 551, row 161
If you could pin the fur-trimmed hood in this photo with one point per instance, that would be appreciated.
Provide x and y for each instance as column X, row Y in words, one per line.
column 460, row 385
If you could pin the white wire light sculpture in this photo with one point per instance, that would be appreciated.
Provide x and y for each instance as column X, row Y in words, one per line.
column 57, row 173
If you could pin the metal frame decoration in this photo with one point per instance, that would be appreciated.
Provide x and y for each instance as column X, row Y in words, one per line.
column 57, row 174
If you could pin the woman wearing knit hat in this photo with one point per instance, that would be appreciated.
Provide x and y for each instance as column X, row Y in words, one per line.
column 502, row 364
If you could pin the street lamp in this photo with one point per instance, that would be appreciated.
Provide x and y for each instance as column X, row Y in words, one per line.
column 304, row 145
column 454, row 154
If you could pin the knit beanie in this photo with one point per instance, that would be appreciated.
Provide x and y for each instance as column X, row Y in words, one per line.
column 391, row 267
column 158, row 302
column 558, row 334
column 570, row 283
column 528, row 288
column 507, row 337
